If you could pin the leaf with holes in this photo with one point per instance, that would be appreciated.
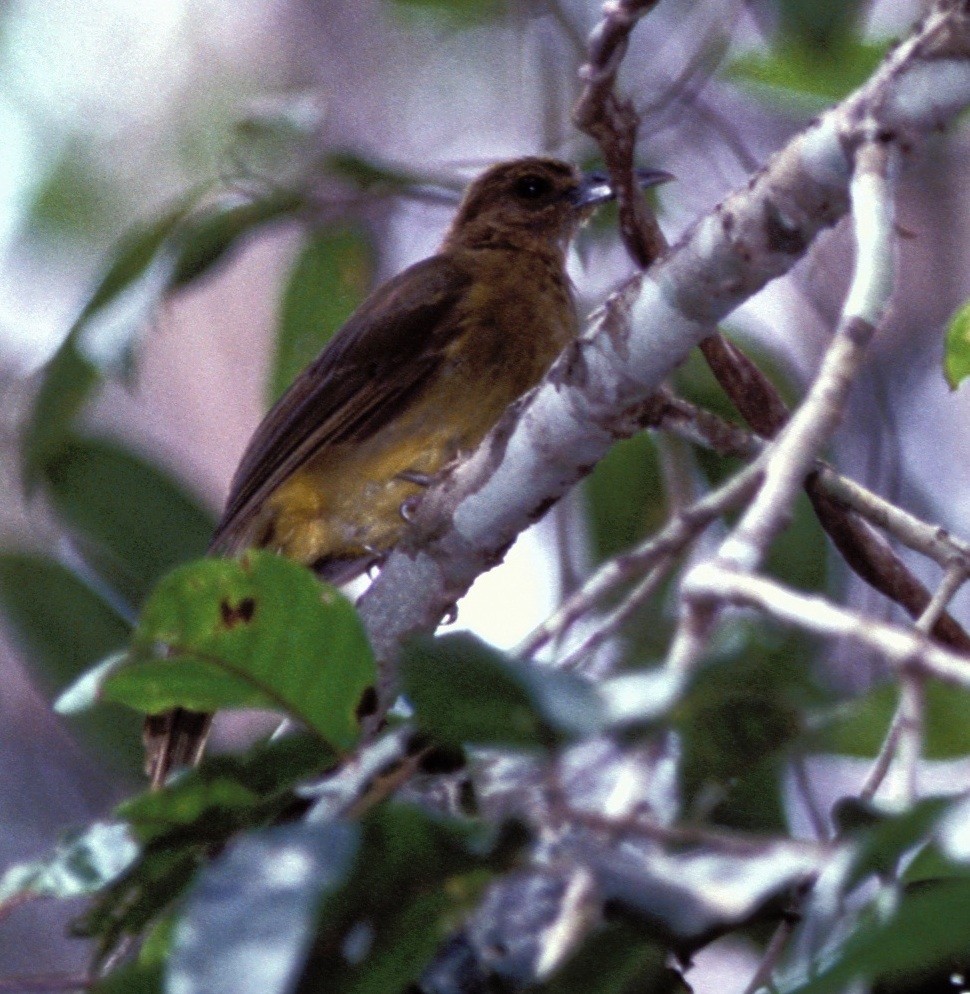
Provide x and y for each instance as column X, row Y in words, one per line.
column 258, row 632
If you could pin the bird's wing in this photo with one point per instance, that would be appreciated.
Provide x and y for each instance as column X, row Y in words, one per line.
column 370, row 371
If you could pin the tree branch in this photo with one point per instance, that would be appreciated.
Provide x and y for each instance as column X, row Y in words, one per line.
column 548, row 440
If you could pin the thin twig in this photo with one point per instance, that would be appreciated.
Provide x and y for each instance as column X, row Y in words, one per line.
column 612, row 122
column 615, row 620
column 845, row 509
column 907, row 650
column 672, row 538
column 903, row 742
column 772, row 955
column 930, row 540
column 809, row 430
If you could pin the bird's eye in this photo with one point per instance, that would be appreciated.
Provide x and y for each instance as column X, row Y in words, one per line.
column 532, row 187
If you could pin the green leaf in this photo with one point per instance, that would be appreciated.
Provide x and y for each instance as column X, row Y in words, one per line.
column 413, row 877
column 928, row 928
column 145, row 892
column 820, row 27
column 194, row 815
column 133, row 978
column 813, row 78
column 464, row 691
column 625, row 497
column 180, row 246
column 329, row 279
column 932, row 863
column 859, row 727
column 132, row 258
column 77, row 198
column 227, row 793
column 618, row 959
column 379, row 897
column 63, row 624
column 82, row 864
column 134, row 521
column 102, row 340
column 259, row 631
column 737, row 721
column 459, row 13
column 367, row 174
column 206, row 237
column 956, row 353
column 68, row 381
column 280, row 142
column 885, row 838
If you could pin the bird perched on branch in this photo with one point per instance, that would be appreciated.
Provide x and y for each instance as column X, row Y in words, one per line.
column 416, row 377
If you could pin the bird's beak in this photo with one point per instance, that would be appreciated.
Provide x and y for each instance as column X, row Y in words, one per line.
column 595, row 188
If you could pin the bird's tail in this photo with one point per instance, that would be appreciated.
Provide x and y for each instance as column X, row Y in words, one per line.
column 173, row 740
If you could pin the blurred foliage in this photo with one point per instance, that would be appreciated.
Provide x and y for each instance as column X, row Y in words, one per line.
column 819, row 26
column 740, row 721
column 625, row 497
column 816, row 79
column 617, row 960
column 859, row 727
column 64, row 624
column 329, row 279
column 466, row 692
column 451, row 13
column 179, row 826
column 133, row 522
column 926, row 932
column 956, row 354
column 817, row 53
column 74, row 197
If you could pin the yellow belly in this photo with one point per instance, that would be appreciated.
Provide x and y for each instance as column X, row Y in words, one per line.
column 346, row 502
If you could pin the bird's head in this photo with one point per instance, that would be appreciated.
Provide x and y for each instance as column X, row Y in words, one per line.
column 533, row 199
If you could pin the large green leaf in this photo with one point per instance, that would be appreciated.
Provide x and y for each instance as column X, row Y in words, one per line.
column 329, row 279
column 465, row 692
column 134, row 520
column 259, row 631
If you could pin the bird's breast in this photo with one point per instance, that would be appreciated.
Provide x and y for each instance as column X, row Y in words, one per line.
column 346, row 501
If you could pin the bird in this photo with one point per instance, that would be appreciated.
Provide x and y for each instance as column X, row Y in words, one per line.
column 410, row 384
